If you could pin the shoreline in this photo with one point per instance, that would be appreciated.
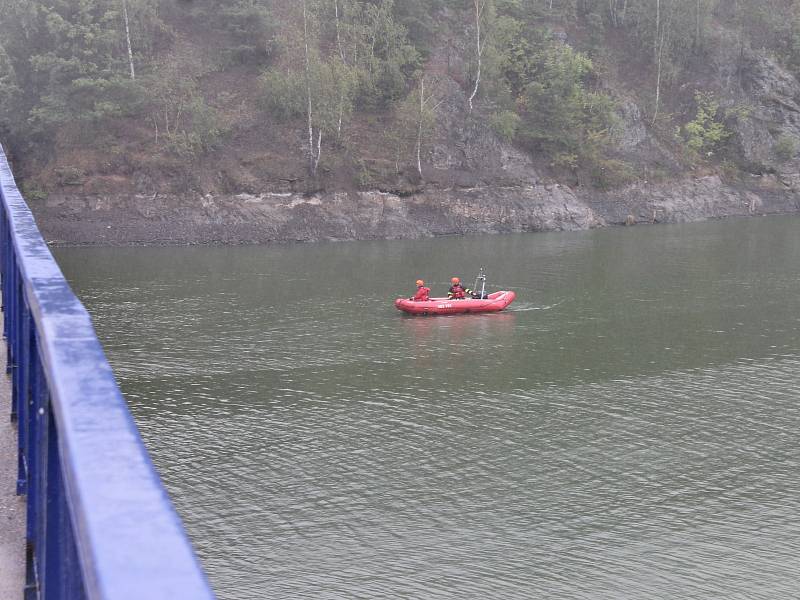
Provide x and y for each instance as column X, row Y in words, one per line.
column 283, row 218
column 244, row 243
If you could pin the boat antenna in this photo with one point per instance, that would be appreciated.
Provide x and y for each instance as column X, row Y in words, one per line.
column 482, row 278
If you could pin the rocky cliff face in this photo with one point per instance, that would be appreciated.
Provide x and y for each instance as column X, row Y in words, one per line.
column 768, row 98
column 284, row 217
column 467, row 152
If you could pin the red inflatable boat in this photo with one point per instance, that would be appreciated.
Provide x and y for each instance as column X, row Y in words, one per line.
column 443, row 306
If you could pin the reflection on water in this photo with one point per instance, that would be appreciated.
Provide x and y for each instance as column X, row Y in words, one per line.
column 627, row 430
column 455, row 330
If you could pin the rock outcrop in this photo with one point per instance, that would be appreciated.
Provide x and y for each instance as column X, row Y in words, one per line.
column 281, row 217
column 768, row 113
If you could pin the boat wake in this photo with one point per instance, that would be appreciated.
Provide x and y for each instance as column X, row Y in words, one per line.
column 527, row 307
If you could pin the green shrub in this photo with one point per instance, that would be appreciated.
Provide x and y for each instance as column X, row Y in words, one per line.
column 565, row 160
column 505, row 124
column 282, row 93
column 785, row 147
column 205, row 124
column 608, row 174
column 705, row 132
column 69, row 175
column 32, row 192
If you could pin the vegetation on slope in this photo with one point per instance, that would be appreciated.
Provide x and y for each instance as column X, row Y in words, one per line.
column 320, row 91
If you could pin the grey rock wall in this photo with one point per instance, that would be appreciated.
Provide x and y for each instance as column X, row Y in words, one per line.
column 769, row 111
column 273, row 217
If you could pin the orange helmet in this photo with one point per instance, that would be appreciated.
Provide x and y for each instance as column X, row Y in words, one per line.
column 420, row 283
column 455, row 280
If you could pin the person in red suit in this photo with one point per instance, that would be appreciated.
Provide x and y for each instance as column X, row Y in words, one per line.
column 457, row 292
column 422, row 292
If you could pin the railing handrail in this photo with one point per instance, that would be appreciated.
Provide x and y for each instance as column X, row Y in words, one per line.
column 130, row 541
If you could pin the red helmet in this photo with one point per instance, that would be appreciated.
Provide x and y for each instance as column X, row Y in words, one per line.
column 455, row 280
column 420, row 283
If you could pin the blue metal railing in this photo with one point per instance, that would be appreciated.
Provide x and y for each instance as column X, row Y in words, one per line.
column 99, row 523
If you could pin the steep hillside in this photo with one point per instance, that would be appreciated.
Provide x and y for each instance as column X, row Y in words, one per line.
column 445, row 116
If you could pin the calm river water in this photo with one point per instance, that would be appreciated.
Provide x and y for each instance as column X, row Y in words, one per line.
column 628, row 430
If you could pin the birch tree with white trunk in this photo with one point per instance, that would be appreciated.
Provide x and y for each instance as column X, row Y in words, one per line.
column 344, row 72
column 128, row 37
column 663, row 30
column 480, row 8
column 428, row 101
column 314, row 152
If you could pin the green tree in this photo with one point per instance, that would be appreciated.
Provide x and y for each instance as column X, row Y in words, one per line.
column 484, row 18
column 282, row 93
column 183, row 123
column 71, row 59
column 516, row 52
column 505, row 124
column 416, row 118
column 249, row 28
column 559, row 115
column 418, row 18
column 10, row 93
column 705, row 132
column 346, row 54
column 375, row 46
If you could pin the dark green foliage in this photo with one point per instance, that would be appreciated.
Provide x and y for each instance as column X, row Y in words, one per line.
column 249, row 23
column 282, row 93
column 88, row 102
column 10, row 93
column 376, row 47
column 505, row 124
column 559, row 115
column 360, row 61
column 247, row 27
column 70, row 59
column 518, row 49
column 417, row 16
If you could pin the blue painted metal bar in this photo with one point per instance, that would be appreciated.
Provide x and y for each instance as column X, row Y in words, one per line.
column 100, row 524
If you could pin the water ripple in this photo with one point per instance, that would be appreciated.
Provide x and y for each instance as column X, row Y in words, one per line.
column 630, row 431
